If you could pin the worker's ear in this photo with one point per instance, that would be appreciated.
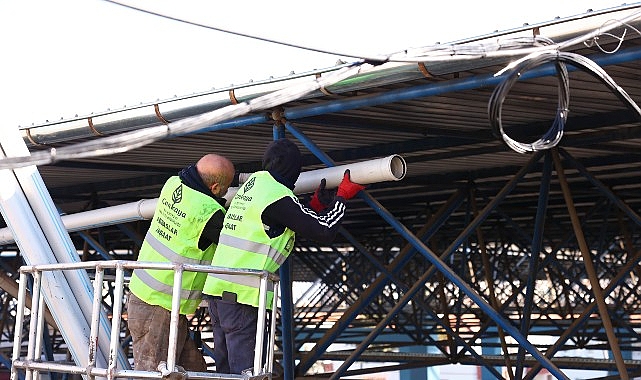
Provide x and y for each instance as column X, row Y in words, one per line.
column 215, row 188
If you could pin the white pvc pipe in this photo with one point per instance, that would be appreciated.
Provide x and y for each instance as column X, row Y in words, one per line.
column 391, row 168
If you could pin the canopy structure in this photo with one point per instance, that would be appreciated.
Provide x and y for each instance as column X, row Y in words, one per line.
column 511, row 242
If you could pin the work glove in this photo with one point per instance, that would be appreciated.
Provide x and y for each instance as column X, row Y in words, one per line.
column 348, row 189
column 321, row 198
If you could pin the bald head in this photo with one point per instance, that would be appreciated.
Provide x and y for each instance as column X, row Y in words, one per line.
column 217, row 172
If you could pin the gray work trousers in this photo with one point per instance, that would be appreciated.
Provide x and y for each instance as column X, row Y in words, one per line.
column 149, row 327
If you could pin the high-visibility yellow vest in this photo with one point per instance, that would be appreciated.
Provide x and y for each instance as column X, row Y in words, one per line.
column 244, row 244
column 178, row 222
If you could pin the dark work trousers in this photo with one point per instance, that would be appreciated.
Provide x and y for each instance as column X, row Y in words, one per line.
column 234, row 326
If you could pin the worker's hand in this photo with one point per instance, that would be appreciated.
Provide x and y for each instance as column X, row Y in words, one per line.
column 348, row 189
column 321, row 198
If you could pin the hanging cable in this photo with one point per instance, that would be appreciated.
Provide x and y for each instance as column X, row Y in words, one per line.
column 373, row 60
column 495, row 104
column 554, row 134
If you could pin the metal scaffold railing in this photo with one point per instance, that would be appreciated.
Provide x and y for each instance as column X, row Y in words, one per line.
column 29, row 362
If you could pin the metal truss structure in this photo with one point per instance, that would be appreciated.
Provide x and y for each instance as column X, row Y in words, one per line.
column 480, row 256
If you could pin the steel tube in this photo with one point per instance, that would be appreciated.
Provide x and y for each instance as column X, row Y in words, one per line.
column 260, row 326
column 537, row 249
column 97, row 304
column 589, row 267
column 175, row 316
column 115, row 319
column 33, row 330
column 272, row 331
column 40, row 329
column 19, row 326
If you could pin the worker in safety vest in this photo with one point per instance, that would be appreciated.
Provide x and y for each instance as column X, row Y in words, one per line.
column 185, row 229
column 259, row 233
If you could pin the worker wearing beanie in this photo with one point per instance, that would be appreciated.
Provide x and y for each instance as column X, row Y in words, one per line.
column 260, row 227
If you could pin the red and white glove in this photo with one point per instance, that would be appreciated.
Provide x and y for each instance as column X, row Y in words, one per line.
column 348, row 189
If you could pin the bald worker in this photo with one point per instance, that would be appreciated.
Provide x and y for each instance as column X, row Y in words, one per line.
column 185, row 229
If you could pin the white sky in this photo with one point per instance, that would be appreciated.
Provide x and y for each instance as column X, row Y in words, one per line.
column 61, row 58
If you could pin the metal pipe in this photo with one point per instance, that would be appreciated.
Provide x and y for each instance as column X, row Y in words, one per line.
column 175, row 317
column 115, row 320
column 33, row 313
column 272, row 331
column 287, row 298
column 97, row 304
column 579, row 322
column 260, row 326
column 434, row 89
column 537, row 249
column 40, row 332
column 19, row 326
column 593, row 277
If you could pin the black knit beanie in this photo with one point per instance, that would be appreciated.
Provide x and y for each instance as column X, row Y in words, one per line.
column 283, row 161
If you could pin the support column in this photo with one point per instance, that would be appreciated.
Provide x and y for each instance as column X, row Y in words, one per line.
column 589, row 268
column 494, row 350
column 286, row 301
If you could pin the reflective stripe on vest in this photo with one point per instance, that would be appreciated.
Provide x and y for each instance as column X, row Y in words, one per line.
column 252, row 246
column 164, row 288
column 243, row 279
column 170, row 255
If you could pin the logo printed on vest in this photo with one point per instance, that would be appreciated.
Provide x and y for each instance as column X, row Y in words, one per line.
column 249, row 184
column 177, row 195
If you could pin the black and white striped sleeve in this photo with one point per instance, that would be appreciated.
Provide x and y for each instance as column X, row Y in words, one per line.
column 289, row 212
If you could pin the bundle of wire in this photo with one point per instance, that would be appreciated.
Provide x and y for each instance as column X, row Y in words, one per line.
column 554, row 134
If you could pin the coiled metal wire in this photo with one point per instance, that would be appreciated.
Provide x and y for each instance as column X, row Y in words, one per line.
column 554, row 134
